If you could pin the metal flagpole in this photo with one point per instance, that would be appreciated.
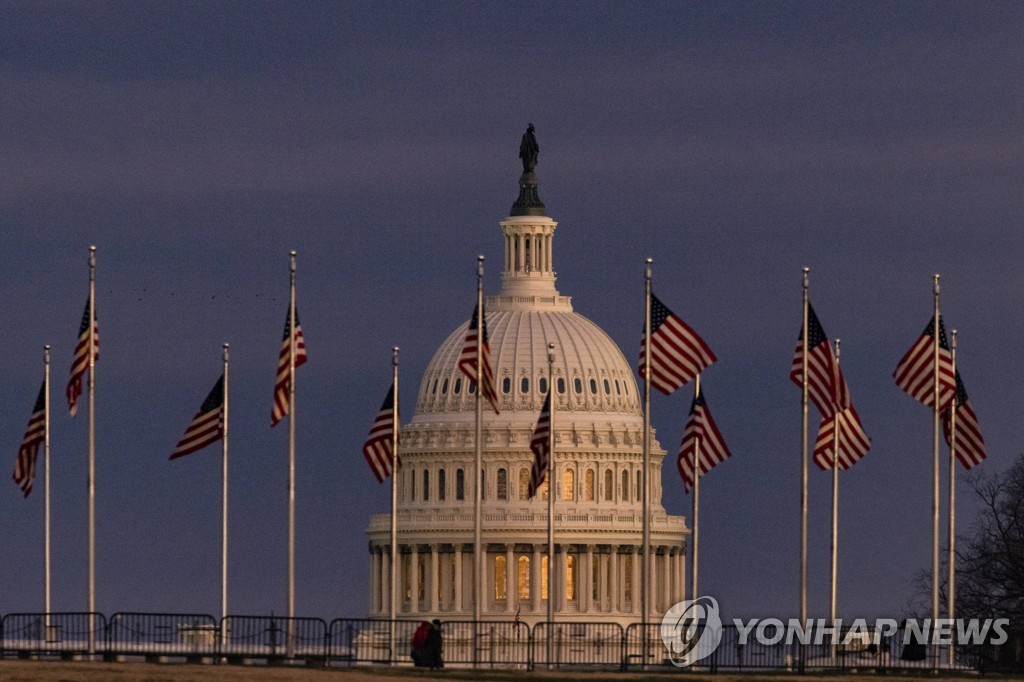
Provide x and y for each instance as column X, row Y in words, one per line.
column 803, row 465
column 835, row 508
column 291, row 452
column 935, row 460
column 224, row 497
column 696, row 499
column 645, row 592
column 46, row 486
column 92, row 443
column 394, row 497
column 478, row 590
column 952, row 500
column 551, row 498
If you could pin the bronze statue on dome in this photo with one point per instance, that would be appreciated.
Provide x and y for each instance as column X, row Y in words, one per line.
column 528, row 150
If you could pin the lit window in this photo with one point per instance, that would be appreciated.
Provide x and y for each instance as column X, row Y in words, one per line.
column 500, row 591
column 570, row 577
column 544, row 576
column 502, row 484
column 524, row 577
column 460, row 484
column 568, row 485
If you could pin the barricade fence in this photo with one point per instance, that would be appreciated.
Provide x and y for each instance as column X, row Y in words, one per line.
column 504, row 644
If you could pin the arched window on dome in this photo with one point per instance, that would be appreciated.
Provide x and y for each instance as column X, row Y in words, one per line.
column 440, row 485
column 460, row 484
column 426, row 485
column 500, row 586
column 607, row 388
column 433, row 391
column 472, row 388
column 502, row 484
column 444, row 387
column 506, row 385
column 625, row 387
column 561, row 385
column 593, row 386
column 524, row 385
column 578, row 385
column 524, row 484
column 523, row 574
column 588, row 485
column 568, row 485
column 609, row 487
column 543, row 385
column 618, row 391
column 458, row 386
column 625, row 486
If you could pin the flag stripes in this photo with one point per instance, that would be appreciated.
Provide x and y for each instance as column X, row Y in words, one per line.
column 854, row 443
column 378, row 448
column 678, row 354
column 700, row 429
column 207, row 426
column 915, row 371
column 826, row 386
column 28, row 453
column 468, row 359
column 540, row 444
column 970, row 446
column 283, row 385
column 80, row 363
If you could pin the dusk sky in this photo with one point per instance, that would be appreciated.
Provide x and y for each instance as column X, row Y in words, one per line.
column 197, row 143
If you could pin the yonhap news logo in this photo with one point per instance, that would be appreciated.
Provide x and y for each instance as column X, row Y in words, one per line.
column 691, row 630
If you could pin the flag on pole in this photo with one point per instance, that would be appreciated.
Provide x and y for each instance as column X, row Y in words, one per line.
column 28, row 453
column 80, row 364
column 378, row 448
column 283, row 385
column 678, row 354
column 914, row 374
column 970, row 446
column 854, row 443
column 540, row 444
column 700, row 425
column 467, row 359
column 826, row 386
column 207, row 426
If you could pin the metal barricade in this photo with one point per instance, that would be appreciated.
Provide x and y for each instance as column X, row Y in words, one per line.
column 273, row 638
column 368, row 640
column 564, row 643
column 57, row 634
column 189, row 635
column 490, row 644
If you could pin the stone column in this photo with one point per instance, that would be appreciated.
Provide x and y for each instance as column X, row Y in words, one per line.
column 374, row 577
column 535, row 595
column 458, row 578
column 562, row 576
column 588, row 580
column 634, row 605
column 385, row 581
column 602, row 582
column 613, row 580
column 666, row 594
column 414, row 579
column 434, row 582
column 511, row 584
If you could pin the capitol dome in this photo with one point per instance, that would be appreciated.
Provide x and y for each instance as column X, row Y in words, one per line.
column 597, row 464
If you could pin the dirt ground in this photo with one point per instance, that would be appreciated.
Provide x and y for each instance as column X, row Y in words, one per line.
column 51, row 671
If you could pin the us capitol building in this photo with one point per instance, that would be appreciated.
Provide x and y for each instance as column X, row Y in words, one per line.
column 598, row 429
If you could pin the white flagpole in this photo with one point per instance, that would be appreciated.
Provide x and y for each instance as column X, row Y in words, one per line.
column 92, row 442
column 478, row 589
column 952, row 499
column 696, row 499
column 645, row 592
column 551, row 498
column 291, row 453
column 46, row 486
column 394, row 499
column 935, row 459
column 803, row 464
column 835, row 507
column 224, row 497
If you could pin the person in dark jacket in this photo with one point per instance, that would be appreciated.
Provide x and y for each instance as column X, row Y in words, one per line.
column 434, row 646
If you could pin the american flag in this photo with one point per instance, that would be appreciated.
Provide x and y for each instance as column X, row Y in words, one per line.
column 378, row 448
column 970, row 446
column 700, row 427
column 283, row 385
column 914, row 374
column 207, row 426
column 678, row 354
column 854, row 443
column 467, row 359
column 35, row 433
column 826, row 386
column 540, row 444
column 80, row 365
